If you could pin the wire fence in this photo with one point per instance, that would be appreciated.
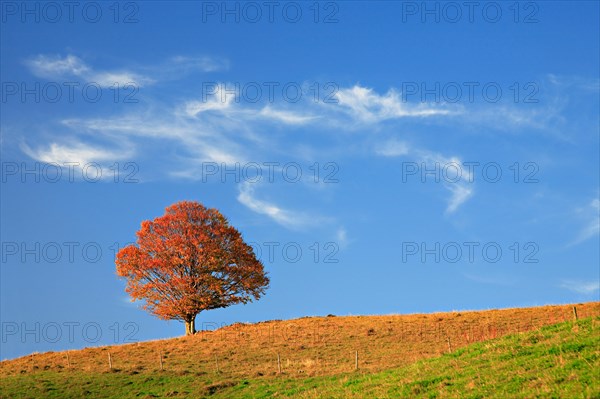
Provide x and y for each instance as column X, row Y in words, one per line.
column 308, row 346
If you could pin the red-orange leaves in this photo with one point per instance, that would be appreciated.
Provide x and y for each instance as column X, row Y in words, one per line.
column 190, row 260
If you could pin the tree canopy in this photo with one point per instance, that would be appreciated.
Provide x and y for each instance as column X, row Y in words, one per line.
column 190, row 260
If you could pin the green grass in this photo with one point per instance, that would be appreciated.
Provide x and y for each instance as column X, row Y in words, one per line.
column 557, row 361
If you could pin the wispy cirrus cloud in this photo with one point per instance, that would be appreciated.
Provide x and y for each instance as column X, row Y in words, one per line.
column 194, row 139
column 186, row 64
column 539, row 107
column 577, row 82
column 73, row 67
column 591, row 228
column 76, row 152
column 354, row 104
column 91, row 161
column 514, row 119
column 460, row 191
column 213, row 103
column 227, row 103
column 365, row 105
column 56, row 66
column 295, row 220
column 341, row 237
column 286, row 116
column 223, row 128
column 393, row 148
column 581, row 286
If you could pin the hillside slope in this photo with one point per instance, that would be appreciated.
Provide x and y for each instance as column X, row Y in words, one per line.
column 557, row 361
column 307, row 348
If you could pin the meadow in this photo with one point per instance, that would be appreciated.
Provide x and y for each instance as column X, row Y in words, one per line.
column 522, row 352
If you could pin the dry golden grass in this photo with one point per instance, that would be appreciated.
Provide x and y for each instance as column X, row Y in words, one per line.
column 308, row 346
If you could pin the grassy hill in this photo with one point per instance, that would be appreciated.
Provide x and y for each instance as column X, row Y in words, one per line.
column 559, row 361
column 529, row 352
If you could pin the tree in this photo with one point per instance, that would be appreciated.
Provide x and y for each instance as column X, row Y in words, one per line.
column 190, row 260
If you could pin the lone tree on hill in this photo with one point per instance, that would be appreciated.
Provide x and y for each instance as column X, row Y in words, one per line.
column 190, row 260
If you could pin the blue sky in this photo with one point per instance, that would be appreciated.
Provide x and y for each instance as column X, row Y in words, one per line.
column 410, row 160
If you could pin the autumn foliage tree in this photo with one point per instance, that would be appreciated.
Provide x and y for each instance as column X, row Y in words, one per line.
column 190, row 260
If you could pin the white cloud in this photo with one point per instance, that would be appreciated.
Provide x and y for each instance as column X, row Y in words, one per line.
column 222, row 129
column 228, row 103
column 194, row 141
column 577, row 82
column 461, row 190
column 185, row 64
column 57, row 67
column 90, row 162
column 221, row 100
column 393, row 148
column 460, row 194
column 76, row 152
column 581, row 287
column 361, row 104
column 286, row 218
column 513, row 118
column 365, row 105
column 341, row 237
column 592, row 228
column 288, row 117
column 51, row 67
column 119, row 78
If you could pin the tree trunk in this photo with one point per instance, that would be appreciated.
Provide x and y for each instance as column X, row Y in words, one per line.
column 190, row 326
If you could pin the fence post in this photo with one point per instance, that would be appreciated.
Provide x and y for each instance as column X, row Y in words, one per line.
column 160, row 358
column 449, row 346
column 68, row 361
column 356, row 361
column 279, row 363
column 217, row 363
column 109, row 361
column 575, row 312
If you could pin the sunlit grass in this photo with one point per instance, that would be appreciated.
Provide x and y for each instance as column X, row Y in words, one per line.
column 399, row 356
